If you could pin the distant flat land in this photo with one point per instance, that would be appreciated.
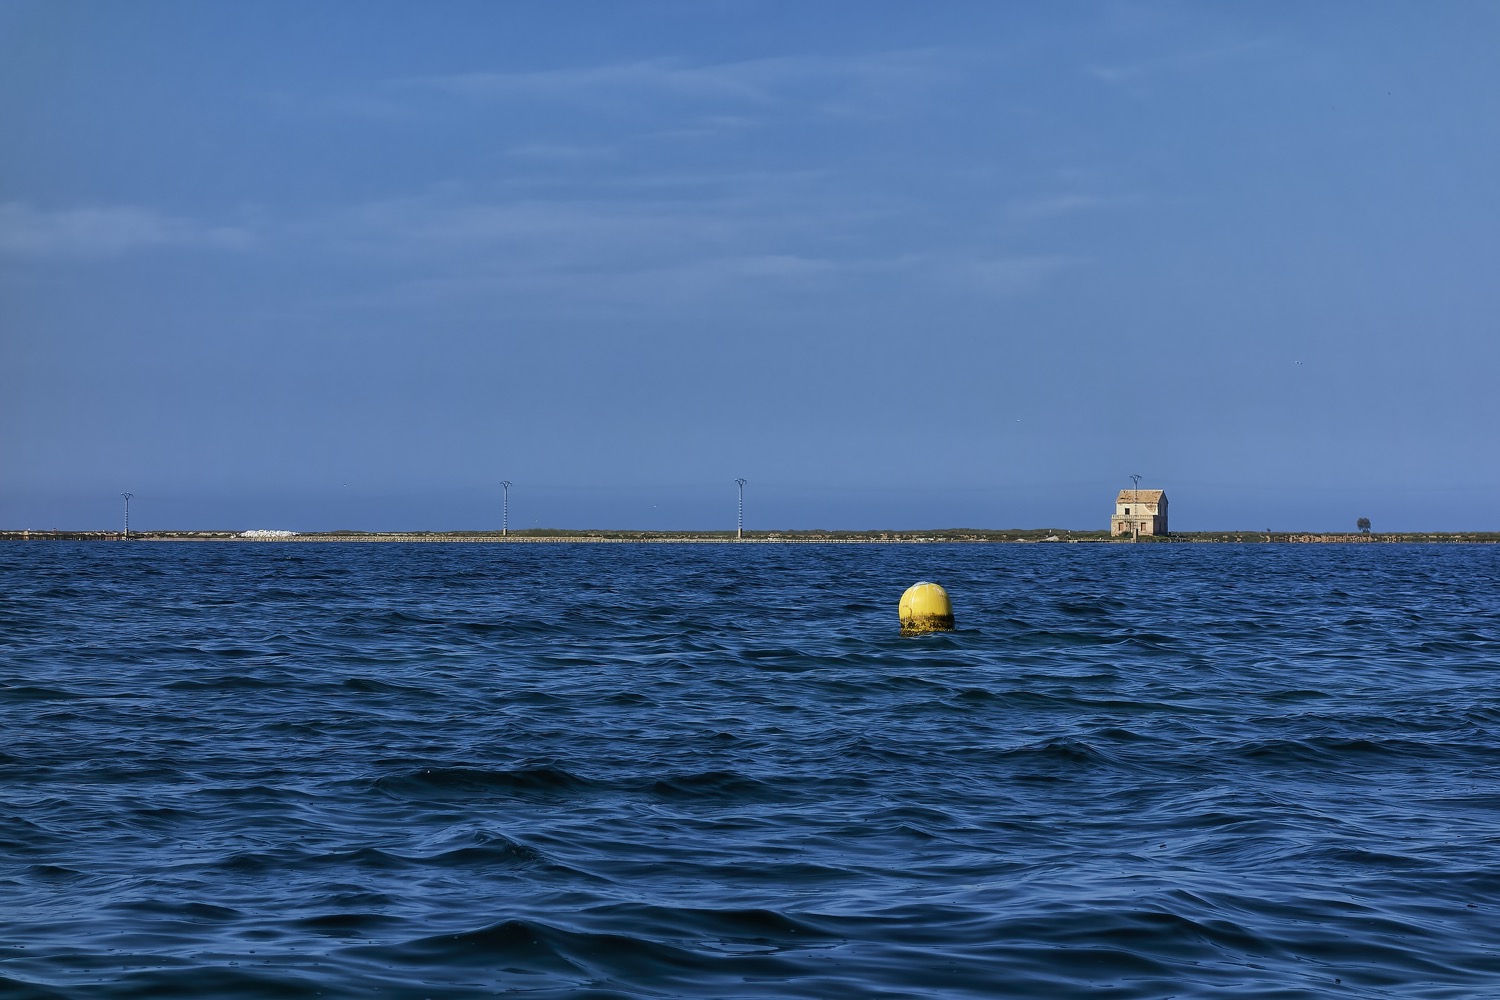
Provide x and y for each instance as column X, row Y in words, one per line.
column 814, row 536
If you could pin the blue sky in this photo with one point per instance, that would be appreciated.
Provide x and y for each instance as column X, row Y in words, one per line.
column 329, row 265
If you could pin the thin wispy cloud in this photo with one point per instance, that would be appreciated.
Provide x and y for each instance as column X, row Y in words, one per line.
column 661, row 240
column 638, row 219
column 581, row 229
column 753, row 81
column 614, row 286
column 562, row 152
column 1138, row 74
column 1055, row 206
column 713, row 126
column 663, row 99
column 1014, row 275
column 107, row 231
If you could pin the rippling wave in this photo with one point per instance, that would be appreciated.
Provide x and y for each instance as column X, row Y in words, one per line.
column 286, row 770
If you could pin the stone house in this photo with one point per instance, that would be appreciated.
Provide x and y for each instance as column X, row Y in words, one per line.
column 1140, row 512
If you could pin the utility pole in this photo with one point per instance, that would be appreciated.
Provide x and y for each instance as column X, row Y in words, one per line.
column 739, row 534
column 505, row 518
column 127, row 497
column 1135, row 526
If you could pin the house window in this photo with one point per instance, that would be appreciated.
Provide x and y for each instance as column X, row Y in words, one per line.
column 1127, row 510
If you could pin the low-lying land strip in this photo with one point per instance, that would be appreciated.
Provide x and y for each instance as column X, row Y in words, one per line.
column 814, row 536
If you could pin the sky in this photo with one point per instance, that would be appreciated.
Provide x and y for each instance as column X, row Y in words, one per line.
column 317, row 266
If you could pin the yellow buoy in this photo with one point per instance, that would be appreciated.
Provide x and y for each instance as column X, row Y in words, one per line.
column 925, row 608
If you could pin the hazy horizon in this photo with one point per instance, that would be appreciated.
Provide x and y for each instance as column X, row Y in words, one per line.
column 365, row 514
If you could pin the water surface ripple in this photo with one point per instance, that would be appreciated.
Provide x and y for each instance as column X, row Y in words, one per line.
column 287, row 770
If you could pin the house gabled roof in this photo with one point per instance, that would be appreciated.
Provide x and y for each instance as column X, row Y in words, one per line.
column 1141, row 496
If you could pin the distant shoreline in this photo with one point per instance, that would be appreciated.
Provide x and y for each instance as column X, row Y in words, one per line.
column 815, row 537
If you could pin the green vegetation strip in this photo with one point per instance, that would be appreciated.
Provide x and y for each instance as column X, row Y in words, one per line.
column 960, row 535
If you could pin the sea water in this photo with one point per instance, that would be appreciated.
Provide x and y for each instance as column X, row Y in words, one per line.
column 349, row 770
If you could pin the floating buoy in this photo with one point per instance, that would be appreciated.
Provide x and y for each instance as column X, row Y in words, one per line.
column 925, row 608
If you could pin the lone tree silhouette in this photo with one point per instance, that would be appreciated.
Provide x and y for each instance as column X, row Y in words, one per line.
column 1363, row 524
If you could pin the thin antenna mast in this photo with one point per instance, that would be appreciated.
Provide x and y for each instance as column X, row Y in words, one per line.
column 505, row 518
column 1135, row 526
column 739, row 534
column 127, row 497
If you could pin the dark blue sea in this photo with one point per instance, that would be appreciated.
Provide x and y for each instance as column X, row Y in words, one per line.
column 618, row 770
